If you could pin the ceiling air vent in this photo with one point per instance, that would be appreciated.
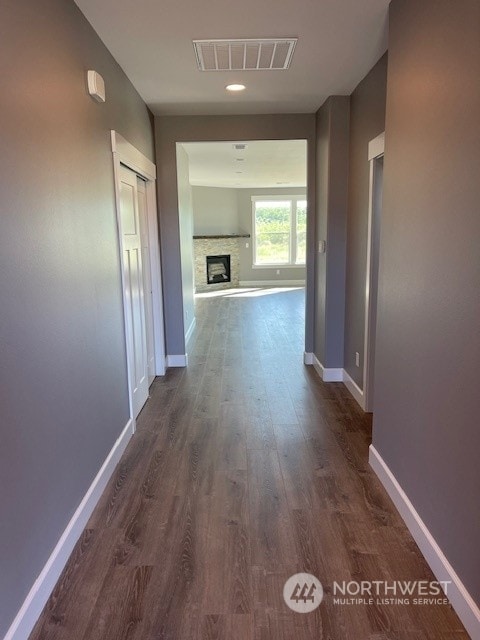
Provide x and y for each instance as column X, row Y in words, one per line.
column 244, row 55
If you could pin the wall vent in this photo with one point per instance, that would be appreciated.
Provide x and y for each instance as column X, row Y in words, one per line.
column 244, row 55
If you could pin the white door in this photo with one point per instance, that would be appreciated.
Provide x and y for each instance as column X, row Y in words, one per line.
column 134, row 288
column 147, row 278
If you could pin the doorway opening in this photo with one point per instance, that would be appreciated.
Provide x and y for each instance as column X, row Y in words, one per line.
column 376, row 151
column 242, row 219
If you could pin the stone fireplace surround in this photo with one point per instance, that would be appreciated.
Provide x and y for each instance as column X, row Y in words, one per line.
column 214, row 245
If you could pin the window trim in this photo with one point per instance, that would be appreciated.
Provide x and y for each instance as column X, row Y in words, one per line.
column 294, row 199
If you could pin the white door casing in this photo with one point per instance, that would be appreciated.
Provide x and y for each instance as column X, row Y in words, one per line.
column 133, row 283
column 147, row 279
column 376, row 151
column 127, row 155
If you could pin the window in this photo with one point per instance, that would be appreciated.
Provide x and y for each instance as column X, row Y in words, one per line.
column 279, row 230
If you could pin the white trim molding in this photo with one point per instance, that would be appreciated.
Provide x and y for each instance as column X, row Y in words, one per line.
column 335, row 375
column 463, row 603
column 327, row 375
column 354, row 389
column 279, row 266
column 132, row 157
column 190, row 331
column 376, row 147
column 180, row 360
column 308, row 358
column 43, row 586
column 271, row 283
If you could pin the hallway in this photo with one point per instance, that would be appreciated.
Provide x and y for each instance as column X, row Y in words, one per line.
column 245, row 469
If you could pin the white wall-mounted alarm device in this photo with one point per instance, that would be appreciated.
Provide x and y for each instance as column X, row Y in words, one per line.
column 96, row 86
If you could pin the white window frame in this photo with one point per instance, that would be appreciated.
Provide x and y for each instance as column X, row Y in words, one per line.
column 293, row 231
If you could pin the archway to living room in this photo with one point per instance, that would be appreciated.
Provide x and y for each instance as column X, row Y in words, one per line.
column 243, row 234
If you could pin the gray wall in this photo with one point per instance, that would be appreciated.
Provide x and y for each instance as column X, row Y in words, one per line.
column 367, row 120
column 172, row 129
column 427, row 403
column 63, row 386
column 247, row 273
column 215, row 210
column 332, row 138
column 185, row 213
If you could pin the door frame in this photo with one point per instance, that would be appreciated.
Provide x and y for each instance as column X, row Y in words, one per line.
column 239, row 132
column 126, row 154
column 376, row 149
column 147, row 278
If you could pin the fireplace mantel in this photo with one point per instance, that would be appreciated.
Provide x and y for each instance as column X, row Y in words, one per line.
column 228, row 236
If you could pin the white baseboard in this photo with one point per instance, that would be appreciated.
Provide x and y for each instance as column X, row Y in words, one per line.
column 43, row 586
column 335, row 375
column 464, row 605
column 354, row 389
column 180, row 360
column 190, row 331
column 272, row 283
column 327, row 375
column 307, row 357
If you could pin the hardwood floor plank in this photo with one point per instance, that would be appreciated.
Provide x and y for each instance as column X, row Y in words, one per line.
column 299, row 475
column 120, row 605
column 221, row 627
column 227, row 580
column 231, row 440
column 270, row 524
column 259, row 432
column 173, row 597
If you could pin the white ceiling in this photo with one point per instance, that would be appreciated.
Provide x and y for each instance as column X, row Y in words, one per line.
column 338, row 42
column 261, row 164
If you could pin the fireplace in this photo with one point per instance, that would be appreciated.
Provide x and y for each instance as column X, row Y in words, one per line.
column 218, row 269
column 223, row 249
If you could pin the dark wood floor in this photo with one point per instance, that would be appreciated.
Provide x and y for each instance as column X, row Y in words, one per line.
column 245, row 469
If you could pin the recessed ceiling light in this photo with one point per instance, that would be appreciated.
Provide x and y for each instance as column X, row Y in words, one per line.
column 235, row 87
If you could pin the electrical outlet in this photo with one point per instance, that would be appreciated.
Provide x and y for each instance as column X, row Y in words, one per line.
column 357, row 359
column 246, row 245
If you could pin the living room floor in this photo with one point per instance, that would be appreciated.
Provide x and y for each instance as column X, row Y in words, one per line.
column 245, row 469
